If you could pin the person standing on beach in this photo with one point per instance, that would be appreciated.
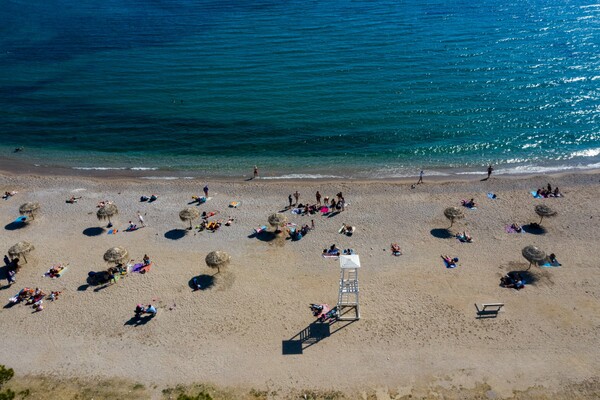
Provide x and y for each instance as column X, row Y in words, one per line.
column 296, row 196
column 489, row 171
column 206, row 191
column 420, row 177
column 318, row 196
column 255, row 172
column 141, row 219
column 290, row 199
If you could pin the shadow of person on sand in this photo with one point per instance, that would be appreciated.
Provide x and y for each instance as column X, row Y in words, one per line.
column 175, row 234
column 140, row 320
column 202, row 282
column 93, row 231
column 441, row 233
column 13, row 226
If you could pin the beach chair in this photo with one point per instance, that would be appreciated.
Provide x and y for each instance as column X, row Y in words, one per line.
column 488, row 310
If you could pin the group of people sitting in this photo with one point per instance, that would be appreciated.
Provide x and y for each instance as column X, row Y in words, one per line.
column 513, row 280
column 297, row 234
column 141, row 310
column 331, row 251
column 152, row 198
column 469, row 203
column 548, row 192
column 464, row 237
column 33, row 297
column 7, row 195
column 347, row 230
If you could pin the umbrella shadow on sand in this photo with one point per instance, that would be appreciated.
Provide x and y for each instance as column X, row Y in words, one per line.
column 534, row 229
column 93, row 231
column 202, row 282
column 175, row 234
column 264, row 236
column 13, row 226
column 441, row 233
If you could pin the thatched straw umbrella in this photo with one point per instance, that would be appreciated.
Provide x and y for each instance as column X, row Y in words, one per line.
column 453, row 213
column 217, row 259
column 116, row 255
column 544, row 211
column 107, row 211
column 189, row 214
column 20, row 249
column 533, row 255
column 277, row 220
column 29, row 209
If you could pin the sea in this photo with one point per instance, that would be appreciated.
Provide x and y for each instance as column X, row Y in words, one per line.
column 301, row 89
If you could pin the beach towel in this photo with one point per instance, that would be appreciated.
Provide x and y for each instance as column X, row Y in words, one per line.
column 510, row 229
column 21, row 219
column 324, row 209
column 550, row 265
column 112, row 232
column 535, row 194
column 62, row 271
column 492, row 196
column 296, row 211
column 235, row 204
column 448, row 265
column 328, row 255
column 137, row 267
column 260, row 229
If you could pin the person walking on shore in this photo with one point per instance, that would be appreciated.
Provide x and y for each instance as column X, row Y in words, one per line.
column 318, row 196
column 420, row 177
column 489, row 171
column 255, row 172
column 206, row 191
column 141, row 219
column 296, row 196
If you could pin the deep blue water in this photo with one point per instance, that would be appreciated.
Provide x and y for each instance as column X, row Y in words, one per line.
column 343, row 88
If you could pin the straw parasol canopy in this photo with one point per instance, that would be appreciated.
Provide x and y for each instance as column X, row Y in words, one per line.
column 20, row 249
column 189, row 214
column 276, row 220
column 544, row 211
column 217, row 259
column 533, row 254
column 116, row 255
column 453, row 213
column 107, row 211
column 29, row 209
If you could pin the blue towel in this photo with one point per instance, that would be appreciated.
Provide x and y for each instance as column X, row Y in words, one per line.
column 21, row 219
column 549, row 265
column 491, row 195
column 535, row 194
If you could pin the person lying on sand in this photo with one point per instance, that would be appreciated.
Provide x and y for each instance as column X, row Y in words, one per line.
column 229, row 221
column 450, row 262
column 396, row 250
column 464, row 237
column 9, row 194
column 73, row 199
column 470, row 204
column 516, row 227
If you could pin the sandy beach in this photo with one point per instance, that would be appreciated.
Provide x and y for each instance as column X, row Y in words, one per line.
column 418, row 334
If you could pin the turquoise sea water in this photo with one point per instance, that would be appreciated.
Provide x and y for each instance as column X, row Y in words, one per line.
column 303, row 88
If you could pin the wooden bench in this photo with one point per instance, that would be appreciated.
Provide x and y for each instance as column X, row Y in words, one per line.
column 488, row 310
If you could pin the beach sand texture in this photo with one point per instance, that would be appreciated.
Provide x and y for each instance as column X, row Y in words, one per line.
column 418, row 325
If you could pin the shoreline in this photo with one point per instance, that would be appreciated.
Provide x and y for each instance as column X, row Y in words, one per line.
column 11, row 167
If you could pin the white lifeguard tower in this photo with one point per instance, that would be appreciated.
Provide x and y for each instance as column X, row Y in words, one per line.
column 348, row 295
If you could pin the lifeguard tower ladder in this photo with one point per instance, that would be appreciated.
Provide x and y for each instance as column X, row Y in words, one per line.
column 348, row 295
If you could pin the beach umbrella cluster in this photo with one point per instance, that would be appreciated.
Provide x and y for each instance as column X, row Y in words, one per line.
column 20, row 250
column 29, row 209
column 217, row 259
column 533, row 254
column 453, row 213
column 189, row 214
column 544, row 211
column 116, row 255
column 277, row 220
column 107, row 211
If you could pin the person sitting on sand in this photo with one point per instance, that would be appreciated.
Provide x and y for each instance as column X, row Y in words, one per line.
column 451, row 262
column 556, row 192
column 229, row 221
column 470, row 204
column 54, row 295
column 333, row 251
column 131, row 227
column 55, row 271
column 139, row 310
column 146, row 259
column 396, row 250
column 513, row 280
column 304, row 230
column 552, row 260
column 516, row 227
column 150, row 310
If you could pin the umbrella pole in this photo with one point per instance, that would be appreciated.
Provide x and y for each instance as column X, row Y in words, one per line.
column 24, row 258
column 541, row 218
column 191, row 224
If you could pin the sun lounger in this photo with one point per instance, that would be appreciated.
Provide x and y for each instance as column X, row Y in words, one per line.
column 488, row 310
column 235, row 204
